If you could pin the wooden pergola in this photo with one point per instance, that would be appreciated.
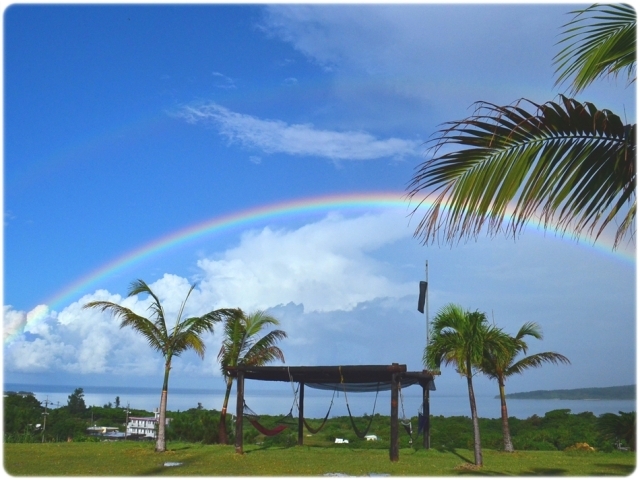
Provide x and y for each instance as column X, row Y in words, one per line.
column 348, row 377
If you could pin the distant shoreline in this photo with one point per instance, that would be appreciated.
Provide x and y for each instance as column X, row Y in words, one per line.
column 624, row 392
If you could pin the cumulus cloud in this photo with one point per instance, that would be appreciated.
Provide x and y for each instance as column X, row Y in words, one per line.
column 345, row 291
column 276, row 136
column 323, row 267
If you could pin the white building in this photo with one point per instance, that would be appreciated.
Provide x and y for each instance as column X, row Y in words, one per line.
column 144, row 426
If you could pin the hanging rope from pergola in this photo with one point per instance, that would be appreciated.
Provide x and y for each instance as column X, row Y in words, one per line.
column 346, row 378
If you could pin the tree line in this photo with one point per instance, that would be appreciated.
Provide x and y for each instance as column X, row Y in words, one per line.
column 556, row 430
column 27, row 420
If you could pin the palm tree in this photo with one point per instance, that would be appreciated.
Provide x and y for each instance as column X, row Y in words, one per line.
column 460, row 338
column 243, row 345
column 568, row 163
column 185, row 335
column 500, row 365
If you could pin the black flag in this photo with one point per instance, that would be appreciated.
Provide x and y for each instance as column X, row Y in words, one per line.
column 423, row 296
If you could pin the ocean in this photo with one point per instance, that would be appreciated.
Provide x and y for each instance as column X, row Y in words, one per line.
column 317, row 402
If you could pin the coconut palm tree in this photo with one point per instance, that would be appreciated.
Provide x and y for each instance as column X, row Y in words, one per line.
column 567, row 163
column 243, row 345
column 500, row 365
column 460, row 338
column 186, row 334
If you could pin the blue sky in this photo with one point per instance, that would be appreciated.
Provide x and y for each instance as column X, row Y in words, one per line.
column 124, row 124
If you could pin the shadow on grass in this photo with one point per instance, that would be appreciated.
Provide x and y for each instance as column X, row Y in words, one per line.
column 186, row 447
column 618, row 469
column 454, row 452
column 544, row 472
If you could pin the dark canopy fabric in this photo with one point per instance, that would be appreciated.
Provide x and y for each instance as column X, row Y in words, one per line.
column 350, row 378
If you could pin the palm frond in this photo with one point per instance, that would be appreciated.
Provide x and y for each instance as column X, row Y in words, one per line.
column 569, row 165
column 459, row 338
column 599, row 41
column 530, row 329
column 534, row 361
column 155, row 337
column 178, row 325
column 264, row 350
column 242, row 341
column 188, row 334
column 140, row 286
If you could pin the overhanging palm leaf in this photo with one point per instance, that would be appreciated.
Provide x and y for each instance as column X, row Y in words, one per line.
column 599, row 41
column 568, row 164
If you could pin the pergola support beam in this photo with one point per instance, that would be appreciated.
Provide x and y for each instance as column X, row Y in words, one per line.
column 239, row 411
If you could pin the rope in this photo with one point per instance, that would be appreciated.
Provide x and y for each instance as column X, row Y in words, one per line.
column 316, row 430
column 406, row 422
column 359, row 434
column 295, row 392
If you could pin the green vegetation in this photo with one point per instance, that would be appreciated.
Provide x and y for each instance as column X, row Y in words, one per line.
column 129, row 459
column 556, row 430
column 24, row 417
column 544, row 446
column 625, row 392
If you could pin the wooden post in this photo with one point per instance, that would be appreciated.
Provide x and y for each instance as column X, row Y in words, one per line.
column 301, row 414
column 426, row 439
column 393, row 447
column 239, row 410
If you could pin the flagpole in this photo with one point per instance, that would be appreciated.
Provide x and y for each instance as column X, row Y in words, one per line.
column 426, row 408
column 426, row 268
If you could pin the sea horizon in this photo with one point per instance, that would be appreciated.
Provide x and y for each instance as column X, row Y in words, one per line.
column 317, row 402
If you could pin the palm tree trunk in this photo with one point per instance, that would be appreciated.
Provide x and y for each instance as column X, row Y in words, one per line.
column 506, row 433
column 161, row 443
column 222, row 429
column 477, row 451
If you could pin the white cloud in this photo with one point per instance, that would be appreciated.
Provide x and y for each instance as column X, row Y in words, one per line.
column 225, row 82
column 13, row 320
column 425, row 64
column 345, row 290
column 276, row 136
column 324, row 265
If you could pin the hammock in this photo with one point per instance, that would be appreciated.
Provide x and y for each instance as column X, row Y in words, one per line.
column 253, row 417
column 360, row 434
column 316, row 430
column 265, row 431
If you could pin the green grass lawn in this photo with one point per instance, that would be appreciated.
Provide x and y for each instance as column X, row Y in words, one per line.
column 132, row 458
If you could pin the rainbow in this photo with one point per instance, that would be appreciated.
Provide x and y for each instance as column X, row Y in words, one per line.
column 261, row 215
